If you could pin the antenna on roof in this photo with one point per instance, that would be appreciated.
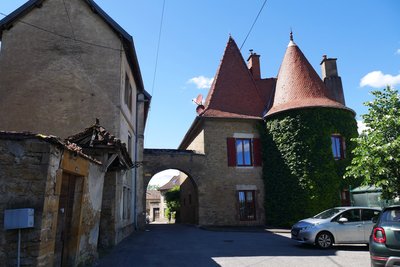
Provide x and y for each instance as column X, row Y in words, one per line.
column 291, row 34
column 199, row 102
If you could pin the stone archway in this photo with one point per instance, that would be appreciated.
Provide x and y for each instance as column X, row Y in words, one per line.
column 185, row 161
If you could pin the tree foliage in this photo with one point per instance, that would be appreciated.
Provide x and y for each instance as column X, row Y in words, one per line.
column 377, row 155
column 172, row 197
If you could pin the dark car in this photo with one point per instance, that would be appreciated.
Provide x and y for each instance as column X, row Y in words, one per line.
column 384, row 244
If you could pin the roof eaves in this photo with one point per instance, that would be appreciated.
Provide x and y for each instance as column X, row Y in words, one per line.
column 7, row 22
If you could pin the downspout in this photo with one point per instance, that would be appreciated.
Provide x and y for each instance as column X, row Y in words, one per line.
column 134, row 164
column 139, row 134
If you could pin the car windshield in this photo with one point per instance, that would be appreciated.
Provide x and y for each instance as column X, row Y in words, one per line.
column 391, row 215
column 328, row 213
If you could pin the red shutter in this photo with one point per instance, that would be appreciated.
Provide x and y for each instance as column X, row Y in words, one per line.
column 231, row 146
column 257, row 152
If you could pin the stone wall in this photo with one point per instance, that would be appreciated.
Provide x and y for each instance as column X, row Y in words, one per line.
column 218, row 183
column 28, row 170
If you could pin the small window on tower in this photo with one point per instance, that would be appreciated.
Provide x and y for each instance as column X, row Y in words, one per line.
column 338, row 146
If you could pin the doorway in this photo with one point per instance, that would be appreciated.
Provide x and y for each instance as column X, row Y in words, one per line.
column 68, row 221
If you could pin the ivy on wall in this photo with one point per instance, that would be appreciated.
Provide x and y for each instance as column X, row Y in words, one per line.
column 300, row 174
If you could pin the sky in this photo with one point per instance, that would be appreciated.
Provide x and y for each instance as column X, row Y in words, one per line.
column 364, row 36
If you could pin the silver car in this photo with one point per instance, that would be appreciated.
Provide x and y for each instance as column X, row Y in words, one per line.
column 340, row 225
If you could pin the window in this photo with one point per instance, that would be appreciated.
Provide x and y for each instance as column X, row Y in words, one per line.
column 352, row 215
column 247, row 207
column 338, row 146
column 130, row 144
column 128, row 93
column 367, row 214
column 244, row 152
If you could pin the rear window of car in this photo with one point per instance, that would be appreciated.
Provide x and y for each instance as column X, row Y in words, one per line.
column 391, row 215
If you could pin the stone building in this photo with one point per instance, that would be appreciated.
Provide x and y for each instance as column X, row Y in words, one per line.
column 230, row 189
column 230, row 131
column 64, row 63
column 63, row 186
column 153, row 205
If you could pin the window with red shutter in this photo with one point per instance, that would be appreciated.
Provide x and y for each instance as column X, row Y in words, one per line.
column 257, row 152
column 231, row 148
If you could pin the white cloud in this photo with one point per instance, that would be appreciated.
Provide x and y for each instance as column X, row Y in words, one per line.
column 361, row 126
column 201, row 82
column 163, row 177
column 377, row 79
column 397, row 52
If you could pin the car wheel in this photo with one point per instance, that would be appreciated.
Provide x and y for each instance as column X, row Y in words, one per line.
column 324, row 240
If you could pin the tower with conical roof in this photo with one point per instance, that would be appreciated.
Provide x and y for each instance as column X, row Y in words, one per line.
column 308, row 133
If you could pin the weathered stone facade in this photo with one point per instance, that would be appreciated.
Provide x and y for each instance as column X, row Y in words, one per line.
column 35, row 172
column 217, row 183
column 69, row 62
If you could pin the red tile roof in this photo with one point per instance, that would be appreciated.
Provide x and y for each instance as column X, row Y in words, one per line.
column 234, row 93
column 299, row 86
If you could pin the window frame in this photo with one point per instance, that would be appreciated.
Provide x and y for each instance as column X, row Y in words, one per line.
column 244, row 154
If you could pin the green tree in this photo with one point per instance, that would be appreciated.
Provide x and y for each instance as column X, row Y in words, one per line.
column 172, row 197
column 377, row 154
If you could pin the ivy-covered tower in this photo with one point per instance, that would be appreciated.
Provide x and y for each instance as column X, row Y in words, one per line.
column 307, row 143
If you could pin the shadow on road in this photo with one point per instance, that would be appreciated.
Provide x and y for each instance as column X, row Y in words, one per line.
column 183, row 245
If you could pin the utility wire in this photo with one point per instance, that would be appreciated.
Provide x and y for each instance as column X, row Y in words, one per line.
column 158, row 48
column 251, row 28
column 64, row 36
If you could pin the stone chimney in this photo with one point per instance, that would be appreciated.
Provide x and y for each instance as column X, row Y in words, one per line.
column 253, row 63
column 332, row 80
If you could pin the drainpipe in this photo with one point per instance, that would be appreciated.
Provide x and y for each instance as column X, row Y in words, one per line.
column 139, row 134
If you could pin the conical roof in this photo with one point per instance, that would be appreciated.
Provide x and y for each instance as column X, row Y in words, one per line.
column 234, row 93
column 298, row 85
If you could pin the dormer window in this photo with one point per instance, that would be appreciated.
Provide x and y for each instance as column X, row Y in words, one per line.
column 338, row 146
column 128, row 93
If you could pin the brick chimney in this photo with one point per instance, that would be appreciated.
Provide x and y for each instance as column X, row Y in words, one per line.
column 253, row 63
column 332, row 80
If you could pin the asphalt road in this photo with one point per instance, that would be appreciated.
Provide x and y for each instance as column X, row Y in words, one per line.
column 181, row 245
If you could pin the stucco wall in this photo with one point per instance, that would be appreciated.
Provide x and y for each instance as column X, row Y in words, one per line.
column 198, row 143
column 68, row 82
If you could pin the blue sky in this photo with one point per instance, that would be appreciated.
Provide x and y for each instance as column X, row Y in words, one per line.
column 363, row 34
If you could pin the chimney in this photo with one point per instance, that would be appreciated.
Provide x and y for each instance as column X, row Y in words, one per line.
column 332, row 80
column 253, row 63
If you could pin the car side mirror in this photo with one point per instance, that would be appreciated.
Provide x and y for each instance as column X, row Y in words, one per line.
column 343, row 220
column 374, row 219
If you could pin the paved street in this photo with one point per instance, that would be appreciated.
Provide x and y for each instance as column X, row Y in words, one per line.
column 181, row 245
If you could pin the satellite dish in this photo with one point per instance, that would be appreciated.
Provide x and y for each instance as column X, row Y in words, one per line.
column 199, row 100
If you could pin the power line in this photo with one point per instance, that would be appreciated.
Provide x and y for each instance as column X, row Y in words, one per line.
column 158, row 48
column 64, row 36
column 251, row 28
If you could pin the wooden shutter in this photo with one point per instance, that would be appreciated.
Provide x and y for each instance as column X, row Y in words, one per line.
column 257, row 152
column 231, row 148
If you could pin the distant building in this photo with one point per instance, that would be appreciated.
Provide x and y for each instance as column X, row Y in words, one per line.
column 153, row 205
